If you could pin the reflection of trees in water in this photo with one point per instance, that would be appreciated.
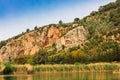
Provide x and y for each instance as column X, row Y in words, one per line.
column 16, row 78
column 65, row 76
column 9, row 78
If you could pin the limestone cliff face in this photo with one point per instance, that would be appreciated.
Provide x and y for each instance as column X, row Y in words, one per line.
column 30, row 42
column 74, row 37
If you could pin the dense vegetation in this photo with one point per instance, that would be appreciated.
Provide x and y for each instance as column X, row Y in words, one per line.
column 103, row 44
column 3, row 43
column 28, row 69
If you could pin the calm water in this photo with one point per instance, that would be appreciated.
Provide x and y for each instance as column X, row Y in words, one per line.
column 63, row 76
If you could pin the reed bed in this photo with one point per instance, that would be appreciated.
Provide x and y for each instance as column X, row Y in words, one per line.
column 93, row 67
column 96, row 67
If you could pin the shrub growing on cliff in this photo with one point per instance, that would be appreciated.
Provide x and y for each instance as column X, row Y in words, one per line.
column 76, row 19
column 63, row 47
column 27, row 30
column 74, row 48
column 40, row 57
column 8, row 68
column 60, row 22
column 2, row 43
column 54, row 47
column 22, row 59
column 35, row 28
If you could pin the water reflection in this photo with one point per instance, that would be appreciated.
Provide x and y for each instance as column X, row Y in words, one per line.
column 63, row 76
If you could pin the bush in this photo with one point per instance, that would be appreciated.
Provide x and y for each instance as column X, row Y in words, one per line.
column 22, row 59
column 54, row 47
column 35, row 28
column 76, row 19
column 40, row 57
column 60, row 22
column 2, row 43
column 63, row 47
column 27, row 30
column 108, row 7
column 74, row 48
column 93, row 13
column 8, row 68
column 30, row 60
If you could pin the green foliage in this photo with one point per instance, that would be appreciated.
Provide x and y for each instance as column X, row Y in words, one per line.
column 103, row 27
column 51, row 52
column 3, row 43
column 56, row 58
column 63, row 47
column 52, row 25
column 60, row 22
column 105, row 51
column 112, row 49
column 78, row 56
column 97, row 67
column 15, row 37
column 35, row 28
column 76, row 19
column 115, row 16
column 54, row 45
column 93, row 13
column 30, row 60
column 40, row 57
column 21, row 59
column 104, row 20
column 62, row 57
column 8, row 68
column 27, row 30
column 107, row 7
column 74, row 48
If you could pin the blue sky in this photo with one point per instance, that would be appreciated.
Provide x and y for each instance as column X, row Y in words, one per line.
column 18, row 15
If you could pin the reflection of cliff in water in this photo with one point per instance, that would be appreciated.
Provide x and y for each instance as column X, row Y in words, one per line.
column 64, row 76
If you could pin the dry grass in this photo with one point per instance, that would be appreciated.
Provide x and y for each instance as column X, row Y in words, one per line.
column 93, row 67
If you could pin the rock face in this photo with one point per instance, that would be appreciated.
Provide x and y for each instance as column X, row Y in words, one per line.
column 74, row 37
column 30, row 42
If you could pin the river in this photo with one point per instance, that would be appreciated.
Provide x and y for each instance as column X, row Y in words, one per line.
column 63, row 76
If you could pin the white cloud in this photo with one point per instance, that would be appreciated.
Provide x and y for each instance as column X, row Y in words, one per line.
column 13, row 26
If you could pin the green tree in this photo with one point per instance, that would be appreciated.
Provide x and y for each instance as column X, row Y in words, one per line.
column 8, row 68
column 93, row 13
column 21, row 59
column 40, row 57
column 60, row 22
column 2, row 43
column 63, row 47
column 54, row 46
column 27, row 30
column 35, row 28
column 76, row 19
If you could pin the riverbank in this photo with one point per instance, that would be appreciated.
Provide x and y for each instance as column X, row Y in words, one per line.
column 30, row 69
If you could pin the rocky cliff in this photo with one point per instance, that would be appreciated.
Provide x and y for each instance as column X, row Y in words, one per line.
column 61, row 40
column 74, row 37
column 31, row 42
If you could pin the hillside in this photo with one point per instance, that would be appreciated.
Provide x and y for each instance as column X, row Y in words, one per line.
column 94, row 38
column 43, row 38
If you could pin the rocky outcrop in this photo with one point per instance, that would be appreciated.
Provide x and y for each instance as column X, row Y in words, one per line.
column 74, row 37
column 30, row 42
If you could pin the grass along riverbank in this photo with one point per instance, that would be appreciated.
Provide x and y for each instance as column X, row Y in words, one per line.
column 27, row 69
